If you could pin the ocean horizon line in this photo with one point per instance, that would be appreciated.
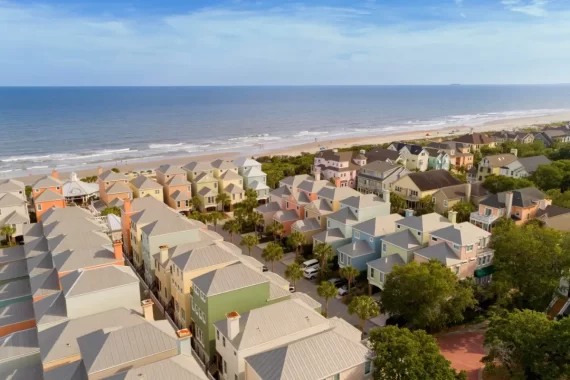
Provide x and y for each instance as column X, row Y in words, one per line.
column 291, row 85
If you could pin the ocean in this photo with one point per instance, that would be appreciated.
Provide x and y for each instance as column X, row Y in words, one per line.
column 75, row 128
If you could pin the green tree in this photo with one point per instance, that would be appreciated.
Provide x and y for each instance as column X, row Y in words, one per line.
column 464, row 210
column 197, row 215
column 8, row 231
column 249, row 241
column 327, row 290
column 529, row 261
column 397, row 203
column 116, row 170
column 256, row 220
column 548, row 177
column 324, row 252
column 409, row 355
column 427, row 296
column 296, row 241
column 365, row 308
column 529, row 345
column 232, row 227
column 276, row 229
column 499, row 183
column 272, row 252
column 349, row 273
column 196, row 203
column 559, row 198
column 426, row 205
column 224, row 200
column 250, row 200
column 111, row 210
column 28, row 191
column 215, row 217
column 294, row 272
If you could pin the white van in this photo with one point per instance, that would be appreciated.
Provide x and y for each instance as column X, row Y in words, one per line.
column 310, row 263
column 311, row 272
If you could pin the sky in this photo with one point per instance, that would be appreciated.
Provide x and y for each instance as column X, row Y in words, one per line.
column 318, row 42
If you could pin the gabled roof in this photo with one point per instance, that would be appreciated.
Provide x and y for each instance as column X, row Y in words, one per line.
column 48, row 195
column 227, row 279
column 462, row 233
column 385, row 264
column 74, row 187
column 245, row 161
column 552, row 211
column 46, row 181
column 382, row 154
column 379, row 226
column 295, row 180
column 308, row 300
column 434, row 152
column 175, row 223
column 273, row 322
column 322, row 206
column 412, row 148
column 12, row 254
column 109, row 176
column 233, row 189
column 230, row 175
column 10, row 199
column 314, row 186
column 11, row 185
column 334, row 193
column 474, row 138
column 285, row 216
column 81, row 282
column 425, row 223
column 525, row 197
column 458, row 191
column 71, row 371
column 403, row 239
column 344, row 216
column 204, row 177
column 530, row 164
column 328, row 353
column 301, row 198
column 310, row 224
column 255, row 185
column 380, row 166
column 179, row 367
column 433, row 179
column 50, row 309
column 254, row 172
column 203, row 257
column 268, row 207
column 144, row 183
column 177, row 181
column 207, row 192
column 329, row 236
column 282, row 191
column 170, row 169
column 223, row 164
column 17, row 312
column 18, row 345
column 117, row 202
column 44, row 283
column 196, row 166
column 14, row 218
column 335, row 155
column 498, row 160
column 356, row 248
column 118, row 188
column 441, row 252
column 180, row 195
column 363, row 201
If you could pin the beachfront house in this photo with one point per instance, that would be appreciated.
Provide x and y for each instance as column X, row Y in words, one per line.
column 385, row 155
column 338, row 167
column 376, row 176
column 113, row 186
column 417, row 158
column 476, row 141
column 513, row 136
column 143, row 186
column 47, row 193
column 552, row 135
column 459, row 154
column 13, row 206
column 523, row 167
column 204, row 185
column 253, row 177
column 416, row 186
column 438, row 159
column 176, row 189
column 445, row 198
column 491, row 165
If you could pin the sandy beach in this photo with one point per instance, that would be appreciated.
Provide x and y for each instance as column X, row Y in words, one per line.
column 313, row 147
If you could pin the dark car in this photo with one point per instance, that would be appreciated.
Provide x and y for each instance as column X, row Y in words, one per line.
column 338, row 282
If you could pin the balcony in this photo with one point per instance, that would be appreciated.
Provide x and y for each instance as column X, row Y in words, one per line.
column 484, row 219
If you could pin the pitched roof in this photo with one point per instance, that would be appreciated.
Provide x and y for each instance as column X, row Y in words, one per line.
column 286, row 215
column 203, row 257
column 498, row 160
column 10, row 185
column 314, row 186
column 44, row 284
column 268, row 207
column 331, row 155
column 363, row 201
column 256, row 185
column 328, row 353
column 170, row 169
column 380, row 166
column 379, row 226
column 552, row 211
column 321, row 206
column 74, row 187
column 207, row 192
column 117, row 188
column 176, row 223
column 433, row 179
column 180, row 195
column 385, row 264
column 50, row 309
column 230, row 174
column 233, row 189
column 525, row 197
column 223, row 164
column 282, row 191
column 334, row 193
column 459, row 191
column 177, row 181
column 425, row 223
column 403, row 239
column 356, row 248
column 474, row 138
column 329, row 236
column 295, row 180
column 204, row 177
column 530, row 164
column 461, row 233
column 14, row 218
column 245, row 161
column 301, row 198
column 81, row 282
column 227, row 279
column 10, row 199
column 310, row 301
column 441, row 252
column 179, row 367
column 434, row 152
column 48, row 196
column 381, row 154
column 198, row 166
column 18, row 345
column 71, row 371
column 46, row 181
column 344, row 216
column 144, row 183
column 310, row 224
column 109, row 175
column 17, row 312
column 254, row 172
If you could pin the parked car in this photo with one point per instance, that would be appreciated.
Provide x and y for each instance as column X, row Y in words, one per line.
column 264, row 269
column 343, row 291
column 310, row 263
column 338, row 282
column 291, row 289
column 311, row 273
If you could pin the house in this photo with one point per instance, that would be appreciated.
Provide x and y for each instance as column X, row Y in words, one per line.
column 239, row 336
column 417, row 158
column 175, row 187
column 353, row 210
column 459, row 154
column 231, row 183
column 554, row 216
column 476, row 141
column 552, row 135
column 338, row 356
column 491, row 165
column 463, row 248
column 47, row 193
column 520, row 205
column 143, row 186
column 205, row 187
column 385, row 155
column 378, row 175
column 523, row 167
column 253, row 177
column 341, row 167
column 471, row 175
column 366, row 244
column 78, row 191
column 438, row 159
column 445, row 198
column 234, row 288
column 416, row 186
column 514, row 136
column 113, row 186
column 13, row 206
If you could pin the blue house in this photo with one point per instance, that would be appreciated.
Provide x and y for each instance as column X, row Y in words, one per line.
column 366, row 244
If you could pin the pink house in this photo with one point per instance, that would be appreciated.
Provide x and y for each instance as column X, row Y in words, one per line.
column 342, row 167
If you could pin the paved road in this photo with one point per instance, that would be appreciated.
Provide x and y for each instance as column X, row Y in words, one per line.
column 335, row 308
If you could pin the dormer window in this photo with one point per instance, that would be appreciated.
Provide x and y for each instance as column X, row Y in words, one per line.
column 456, row 247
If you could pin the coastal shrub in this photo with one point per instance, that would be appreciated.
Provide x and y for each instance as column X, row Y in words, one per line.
column 499, row 183
column 111, row 210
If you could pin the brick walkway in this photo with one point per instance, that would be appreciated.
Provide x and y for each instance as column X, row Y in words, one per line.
column 464, row 350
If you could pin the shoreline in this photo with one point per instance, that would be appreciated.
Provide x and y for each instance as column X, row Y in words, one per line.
column 313, row 147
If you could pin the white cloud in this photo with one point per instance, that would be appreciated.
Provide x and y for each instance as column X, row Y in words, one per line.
column 42, row 45
column 535, row 8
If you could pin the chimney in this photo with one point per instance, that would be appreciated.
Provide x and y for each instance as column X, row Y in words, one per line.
column 452, row 216
column 233, row 324
column 184, row 347
column 54, row 174
column 337, row 181
column 468, row 192
column 508, row 203
column 99, row 170
column 408, row 212
column 118, row 250
column 544, row 203
column 147, row 306
column 514, row 152
column 317, row 174
column 127, row 205
column 163, row 253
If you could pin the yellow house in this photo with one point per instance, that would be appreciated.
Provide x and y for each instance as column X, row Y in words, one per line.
column 195, row 168
column 231, row 183
column 415, row 186
column 143, row 186
column 491, row 165
column 178, row 266
column 205, row 187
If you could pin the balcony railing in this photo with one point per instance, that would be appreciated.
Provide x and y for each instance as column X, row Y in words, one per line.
column 485, row 219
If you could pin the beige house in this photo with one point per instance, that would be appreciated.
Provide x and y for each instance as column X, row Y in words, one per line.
column 176, row 188
column 143, row 186
column 415, row 186
column 476, row 141
column 13, row 205
column 231, row 183
column 491, row 165
column 445, row 198
column 205, row 187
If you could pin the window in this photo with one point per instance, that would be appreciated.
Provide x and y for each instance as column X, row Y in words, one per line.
column 445, row 203
column 470, row 248
column 367, row 367
column 413, row 193
column 456, row 247
column 225, row 367
column 371, row 272
column 39, row 207
column 383, row 247
column 286, row 204
column 297, row 208
column 336, row 377
column 183, row 314
column 224, row 341
column 419, row 233
column 357, row 234
column 457, row 270
column 488, row 212
column 398, row 188
column 306, row 214
column 371, row 239
column 319, row 218
column 433, row 238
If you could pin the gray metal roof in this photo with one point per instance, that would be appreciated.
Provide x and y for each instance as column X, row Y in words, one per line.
column 50, row 309
column 525, row 197
column 48, row 195
column 15, row 289
column 13, row 270
column 282, row 191
column 198, row 166
column 45, row 283
column 462, row 233
column 12, row 254
column 180, row 195
column 15, row 218
column 117, row 188
column 344, row 216
column 356, row 248
column 103, row 349
column 109, row 175
column 380, row 225
column 203, row 257
column 81, row 282
column 334, row 193
column 10, row 199
column 46, row 181
column 310, row 224
column 17, row 312
column 426, row 222
column 10, row 185
column 255, row 185
column 179, row 367
column 313, row 186
column 380, row 166
column 206, row 191
column 223, row 164
column 254, row 171
column 310, row 301
column 144, row 183
column 322, row 206
column 170, row 169
column 233, row 189
column 272, row 322
column 18, row 345
column 530, row 164
column 385, row 264
column 230, row 175
column 344, row 328
column 89, row 257
column 441, row 252
column 403, row 239
column 314, row 358
column 177, row 181
column 277, row 292
column 363, row 201
column 71, row 371
column 245, row 161
column 268, row 207
column 74, row 187
column 35, row 372
column 295, row 180
column 329, row 236
column 174, row 223
column 227, row 279
column 285, row 216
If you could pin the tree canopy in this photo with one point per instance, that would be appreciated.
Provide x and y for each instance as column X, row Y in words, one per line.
column 411, row 355
column 426, row 296
column 327, row 290
column 294, row 272
column 111, row 210
column 249, row 241
column 364, row 307
column 499, row 183
column 272, row 252
column 464, row 210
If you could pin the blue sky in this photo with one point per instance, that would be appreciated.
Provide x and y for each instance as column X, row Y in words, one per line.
column 241, row 42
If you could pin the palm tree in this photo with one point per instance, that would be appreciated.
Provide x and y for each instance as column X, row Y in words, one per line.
column 364, row 307
column 276, row 229
column 232, row 227
column 350, row 273
column 324, row 253
column 249, row 241
column 296, row 240
column 223, row 199
column 197, row 215
column 256, row 219
column 294, row 272
column 250, row 201
column 327, row 290
column 272, row 252
column 215, row 217
column 196, row 203
column 8, row 231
